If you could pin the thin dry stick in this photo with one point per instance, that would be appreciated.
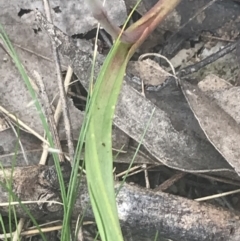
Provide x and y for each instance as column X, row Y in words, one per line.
column 169, row 182
column 138, row 171
column 225, row 202
column 44, row 155
column 28, row 202
column 49, row 115
column 77, row 96
column 146, row 175
column 18, row 230
column 44, row 230
column 66, row 84
column 45, row 224
column 57, row 114
column 128, row 171
column 32, row 232
column 217, row 38
column 23, row 125
column 66, row 118
column 217, row 195
column 131, row 171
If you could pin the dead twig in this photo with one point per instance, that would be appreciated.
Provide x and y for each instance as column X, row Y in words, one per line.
column 168, row 183
column 66, row 118
column 49, row 115
column 23, row 125
column 161, row 210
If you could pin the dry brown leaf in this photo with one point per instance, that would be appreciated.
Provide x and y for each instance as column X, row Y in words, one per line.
column 220, row 128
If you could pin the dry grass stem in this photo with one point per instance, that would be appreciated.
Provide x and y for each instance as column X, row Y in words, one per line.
column 217, row 195
column 66, row 118
column 17, row 233
column 23, row 125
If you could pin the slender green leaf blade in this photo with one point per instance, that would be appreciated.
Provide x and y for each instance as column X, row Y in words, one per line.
column 98, row 157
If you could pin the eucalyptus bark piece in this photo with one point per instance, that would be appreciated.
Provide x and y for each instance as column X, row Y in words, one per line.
column 141, row 211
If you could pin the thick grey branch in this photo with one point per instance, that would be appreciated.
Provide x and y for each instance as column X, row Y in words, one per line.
column 142, row 211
